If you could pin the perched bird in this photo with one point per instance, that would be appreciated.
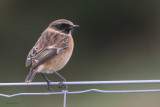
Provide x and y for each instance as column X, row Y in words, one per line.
column 52, row 50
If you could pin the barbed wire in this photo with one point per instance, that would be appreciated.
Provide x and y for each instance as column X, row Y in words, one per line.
column 66, row 92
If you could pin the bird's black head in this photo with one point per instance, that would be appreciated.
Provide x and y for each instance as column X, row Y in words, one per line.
column 63, row 26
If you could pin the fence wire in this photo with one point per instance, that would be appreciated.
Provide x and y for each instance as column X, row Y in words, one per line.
column 66, row 92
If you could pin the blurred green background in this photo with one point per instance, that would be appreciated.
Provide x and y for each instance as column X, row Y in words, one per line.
column 117, row 40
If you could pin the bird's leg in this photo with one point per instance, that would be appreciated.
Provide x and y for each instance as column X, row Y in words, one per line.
column 61, row 85
column 48, row 82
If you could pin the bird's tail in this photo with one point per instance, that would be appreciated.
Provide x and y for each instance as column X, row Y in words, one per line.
column 30, row 76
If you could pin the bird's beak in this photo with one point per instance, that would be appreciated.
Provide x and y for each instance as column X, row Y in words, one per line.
column 74, row 26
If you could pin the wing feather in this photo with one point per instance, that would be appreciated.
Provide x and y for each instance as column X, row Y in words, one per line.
column 42, row 49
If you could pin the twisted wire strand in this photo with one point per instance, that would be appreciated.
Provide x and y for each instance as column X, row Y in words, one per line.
column 84, row 91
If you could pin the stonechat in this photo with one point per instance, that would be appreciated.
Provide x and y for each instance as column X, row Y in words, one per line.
column 52, row 50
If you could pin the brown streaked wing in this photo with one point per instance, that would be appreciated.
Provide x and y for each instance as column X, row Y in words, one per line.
column 38, row 47
column 43, row 56
column 59, row 42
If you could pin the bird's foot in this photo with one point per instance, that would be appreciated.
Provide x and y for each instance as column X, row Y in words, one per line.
column 62, row 85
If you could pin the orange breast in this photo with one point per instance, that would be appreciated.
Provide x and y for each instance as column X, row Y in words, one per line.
column 57, row 62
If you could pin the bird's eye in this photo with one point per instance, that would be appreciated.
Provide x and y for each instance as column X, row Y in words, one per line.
column 60, row 26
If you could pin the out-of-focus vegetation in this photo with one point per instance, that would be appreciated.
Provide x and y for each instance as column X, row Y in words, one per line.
column 117, row 40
